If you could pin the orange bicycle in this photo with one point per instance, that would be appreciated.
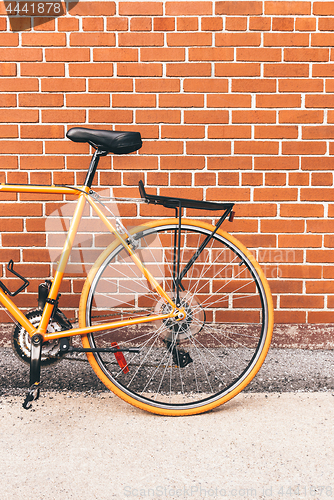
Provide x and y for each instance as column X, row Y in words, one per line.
column 175, row 316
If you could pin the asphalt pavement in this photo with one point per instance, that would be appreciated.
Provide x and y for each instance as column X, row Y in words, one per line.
column 273, row 441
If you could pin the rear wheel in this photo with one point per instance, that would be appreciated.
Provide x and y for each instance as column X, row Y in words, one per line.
column 188, row 366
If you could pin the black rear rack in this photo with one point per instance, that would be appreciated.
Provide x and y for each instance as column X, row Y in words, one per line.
column 171, row 202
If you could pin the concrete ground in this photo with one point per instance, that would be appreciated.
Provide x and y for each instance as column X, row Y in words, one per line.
column 79, row 441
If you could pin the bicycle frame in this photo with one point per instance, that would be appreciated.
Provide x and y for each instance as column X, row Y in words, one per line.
column 83, row 194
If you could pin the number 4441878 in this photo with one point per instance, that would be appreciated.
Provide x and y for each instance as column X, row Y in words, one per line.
column 33, row 8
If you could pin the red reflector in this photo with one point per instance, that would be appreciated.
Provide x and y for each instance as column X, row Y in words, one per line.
column 231, row 217
column 120, row 358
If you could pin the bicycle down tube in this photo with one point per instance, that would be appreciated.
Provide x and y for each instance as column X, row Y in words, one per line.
column 83, row 193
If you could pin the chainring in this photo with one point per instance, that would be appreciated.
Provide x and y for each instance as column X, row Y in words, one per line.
column 21, row 341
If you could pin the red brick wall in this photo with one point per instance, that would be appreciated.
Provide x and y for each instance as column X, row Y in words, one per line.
column 234, row 100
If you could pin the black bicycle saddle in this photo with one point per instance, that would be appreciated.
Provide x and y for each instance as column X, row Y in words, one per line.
column 119, row 143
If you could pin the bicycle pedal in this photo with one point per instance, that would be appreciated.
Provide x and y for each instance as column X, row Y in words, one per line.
column 33, row 395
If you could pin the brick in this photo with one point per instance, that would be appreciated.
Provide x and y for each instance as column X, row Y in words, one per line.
column 278, row 163
column 90, row 69
column 287, row 8
column 188, row 69
column 315, row 194
column 88, row 100
column 182, row 163
column 139, row 69
column 301, row 210
column 162, row 54
column 42, row 69
column 256, row 147
column 9, row 131
column 206, row 116
column 283, row 24
column 282, row 226
column 286, row 39
column 322, row 39
column 278, row 101
column 110, row 85
column 189, row 39
column 181, row 101
column 211, row 54
column 187, row 23
column 63, row 85
column 326, row 24
column 141, row 8
column 239, row 8
column 300, row 85
column 238, row 39
column 188, row 8
column 306, row 24
column 92, row 24
column 254, row 116
column 110, row 116
column 43, row 39
column 258, row 54
column 316, row 55
column 201, row 85
column 157, row 85
column 211, row 23
column 229, row 132
column 236, row 23
column 303, row 148
column 323, row 8
column 228, row 101
column 19, row 84
column 41, row 100
column 275, row 194
column 9, row 39
column 21, row 54
column 237, row 69
column 299, row 179
column 182, row 132
column 162, row 147
column 115, row 55
column 92, row 39
column 133, row 101
column 254, row 85
column 66, row 24
column 67, row 55
column 225, row 193
column 19, row 116
column 276, row 132
column 7, row 100
column 42, row 131
column 158, row 116
column 208, row 148
column 281, row 70
column 317, row 163
column 300, row 116
column 322, row 132
column 323, row 70
column 259, row 23
column 7, row 69
column 252, row 179
column 230, row 163
column 140, row 39
column 63, row 116
column 96, row 9
column 164, row 24
column 117, row 23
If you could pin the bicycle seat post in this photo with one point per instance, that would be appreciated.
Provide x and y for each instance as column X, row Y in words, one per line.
column 93, row 165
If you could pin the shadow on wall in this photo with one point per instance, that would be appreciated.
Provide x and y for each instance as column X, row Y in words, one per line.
column 25, row 15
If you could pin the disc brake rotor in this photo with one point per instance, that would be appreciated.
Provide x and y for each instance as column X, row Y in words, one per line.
column 186, row 328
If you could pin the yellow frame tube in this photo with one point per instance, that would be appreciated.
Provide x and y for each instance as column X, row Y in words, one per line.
column 48, row 308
